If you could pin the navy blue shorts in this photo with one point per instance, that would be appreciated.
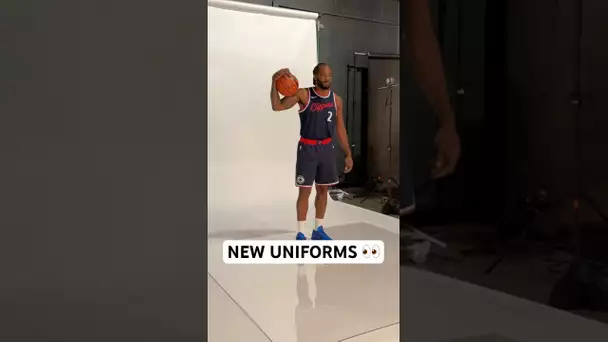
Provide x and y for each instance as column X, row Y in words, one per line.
column 316, row 163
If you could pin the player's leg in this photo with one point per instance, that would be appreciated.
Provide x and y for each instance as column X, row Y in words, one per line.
column 302, row 210
column 327, row 175
column 320, row 203
column 306, row 166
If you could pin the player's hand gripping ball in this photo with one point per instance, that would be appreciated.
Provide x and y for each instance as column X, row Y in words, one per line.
column 287, row 84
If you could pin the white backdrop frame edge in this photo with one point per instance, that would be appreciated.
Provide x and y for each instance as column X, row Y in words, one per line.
column 262, row 9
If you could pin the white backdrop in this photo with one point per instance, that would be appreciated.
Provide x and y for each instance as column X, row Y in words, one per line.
column 252, row 150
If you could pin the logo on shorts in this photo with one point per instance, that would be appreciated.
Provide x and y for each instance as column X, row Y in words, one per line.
column 300, row 180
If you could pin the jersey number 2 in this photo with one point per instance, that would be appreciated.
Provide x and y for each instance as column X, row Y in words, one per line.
column 329, row 117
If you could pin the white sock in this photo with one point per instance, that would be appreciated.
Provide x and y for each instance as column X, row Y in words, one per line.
column 302, row 227
column 318, row 222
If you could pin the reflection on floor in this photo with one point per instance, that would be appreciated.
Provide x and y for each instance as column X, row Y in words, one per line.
column 309, row 303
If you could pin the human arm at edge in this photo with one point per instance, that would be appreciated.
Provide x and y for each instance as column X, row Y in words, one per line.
column 426, row 58
column 341, row 128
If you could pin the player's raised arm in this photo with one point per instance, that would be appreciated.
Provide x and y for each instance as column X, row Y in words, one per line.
column 286, row 102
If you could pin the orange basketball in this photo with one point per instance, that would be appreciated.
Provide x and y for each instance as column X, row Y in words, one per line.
column 287, row 85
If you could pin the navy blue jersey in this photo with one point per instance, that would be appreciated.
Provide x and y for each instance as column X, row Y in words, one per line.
column 318, row 116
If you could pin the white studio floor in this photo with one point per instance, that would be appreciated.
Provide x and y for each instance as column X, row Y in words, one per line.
column 303, row 303
column 357, row 303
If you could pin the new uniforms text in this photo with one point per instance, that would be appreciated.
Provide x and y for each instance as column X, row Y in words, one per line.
column 303, row 252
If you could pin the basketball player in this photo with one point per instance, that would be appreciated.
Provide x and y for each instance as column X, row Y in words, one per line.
column 320, row 120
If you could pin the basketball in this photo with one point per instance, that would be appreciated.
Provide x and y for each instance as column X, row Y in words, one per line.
column 287, row 85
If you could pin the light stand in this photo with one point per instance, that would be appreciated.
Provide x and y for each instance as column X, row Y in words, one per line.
column 580, row 195
column 354, row 101
column 579, row 269
column 415, row 241
column 392, row 204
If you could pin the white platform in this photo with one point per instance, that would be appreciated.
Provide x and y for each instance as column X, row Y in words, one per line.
column 294, row 303
column 227, row 322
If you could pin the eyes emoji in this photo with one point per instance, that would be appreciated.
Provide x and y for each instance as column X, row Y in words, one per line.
column 373, row 251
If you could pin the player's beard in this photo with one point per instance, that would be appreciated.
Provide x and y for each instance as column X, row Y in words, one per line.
column 324, row 86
